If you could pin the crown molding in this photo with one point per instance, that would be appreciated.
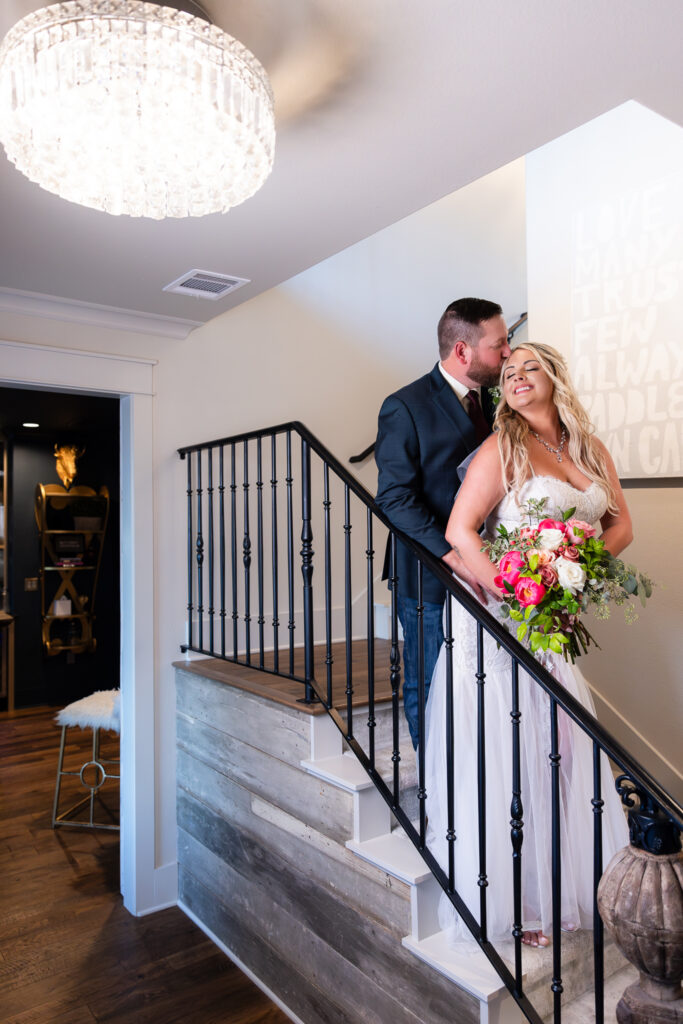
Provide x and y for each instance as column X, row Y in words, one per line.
column 50, row 307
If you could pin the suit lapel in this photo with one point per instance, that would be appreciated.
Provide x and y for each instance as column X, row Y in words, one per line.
column 451, row 407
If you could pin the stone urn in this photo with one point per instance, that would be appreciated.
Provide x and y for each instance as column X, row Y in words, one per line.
column 640, row 898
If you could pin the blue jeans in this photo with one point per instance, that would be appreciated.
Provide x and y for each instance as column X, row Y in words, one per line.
column 432, row 620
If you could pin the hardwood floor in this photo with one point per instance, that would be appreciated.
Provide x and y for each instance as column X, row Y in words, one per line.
column 288, row 692
column 69, row 952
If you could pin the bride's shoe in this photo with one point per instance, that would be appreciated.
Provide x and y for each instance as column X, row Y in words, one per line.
column 535, row 938
column 568, row 926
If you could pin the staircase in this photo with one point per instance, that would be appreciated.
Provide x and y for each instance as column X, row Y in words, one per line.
column 289, row 861
column 287, row 852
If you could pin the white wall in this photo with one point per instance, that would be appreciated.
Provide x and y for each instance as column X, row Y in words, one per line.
column 324, row 348
column 605, row 271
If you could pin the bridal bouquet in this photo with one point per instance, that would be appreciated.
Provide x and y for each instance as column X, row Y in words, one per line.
column 552, row 572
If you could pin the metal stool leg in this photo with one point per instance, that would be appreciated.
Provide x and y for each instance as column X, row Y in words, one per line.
column 58, row 783
column 93, row 788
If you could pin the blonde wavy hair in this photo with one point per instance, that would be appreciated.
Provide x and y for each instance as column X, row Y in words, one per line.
column 513, row 429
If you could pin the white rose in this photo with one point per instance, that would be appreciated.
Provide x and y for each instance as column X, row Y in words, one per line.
column 571, row 575
column 549, row 540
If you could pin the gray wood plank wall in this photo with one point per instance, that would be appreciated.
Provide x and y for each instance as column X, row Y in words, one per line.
column 262, row 862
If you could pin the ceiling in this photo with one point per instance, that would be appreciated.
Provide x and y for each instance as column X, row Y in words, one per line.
column 382, row 107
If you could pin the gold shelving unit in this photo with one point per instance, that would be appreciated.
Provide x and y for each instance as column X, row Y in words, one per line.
column 72, row 525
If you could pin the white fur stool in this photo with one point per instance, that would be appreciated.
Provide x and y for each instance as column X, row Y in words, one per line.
column 101, row 710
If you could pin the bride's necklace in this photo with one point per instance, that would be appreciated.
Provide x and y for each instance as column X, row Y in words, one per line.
column 555, row 451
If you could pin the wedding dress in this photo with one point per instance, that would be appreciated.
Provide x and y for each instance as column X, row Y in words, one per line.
column 576, row 766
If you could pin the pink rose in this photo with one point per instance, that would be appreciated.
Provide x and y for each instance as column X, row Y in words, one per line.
column 571, row 554
column 510, row 566
column 578, row 531
column 548, row 576
column 529, row 592
column 542, row 555
column 552, row 524
column 527, row 533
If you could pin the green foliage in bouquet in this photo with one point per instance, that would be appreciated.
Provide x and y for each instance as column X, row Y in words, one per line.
column 552, row 572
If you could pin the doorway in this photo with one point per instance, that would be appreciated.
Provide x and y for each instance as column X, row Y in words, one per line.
column 33, row 422
column 145, row 886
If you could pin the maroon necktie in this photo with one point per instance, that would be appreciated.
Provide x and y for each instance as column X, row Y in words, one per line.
column 474, row 411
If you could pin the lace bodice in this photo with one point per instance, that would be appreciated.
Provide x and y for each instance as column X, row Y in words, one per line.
column 590, row 504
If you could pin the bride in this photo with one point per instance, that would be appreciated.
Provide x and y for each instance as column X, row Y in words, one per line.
column 542, row 447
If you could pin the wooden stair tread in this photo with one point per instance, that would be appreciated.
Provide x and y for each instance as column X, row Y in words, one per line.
column 288, row 691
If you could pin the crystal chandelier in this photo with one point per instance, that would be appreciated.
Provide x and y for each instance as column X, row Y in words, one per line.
column 135, row 108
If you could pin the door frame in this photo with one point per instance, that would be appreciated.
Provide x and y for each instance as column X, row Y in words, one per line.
column 144, row 888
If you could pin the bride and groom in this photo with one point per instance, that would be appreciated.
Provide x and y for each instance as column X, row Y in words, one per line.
column 543, row 448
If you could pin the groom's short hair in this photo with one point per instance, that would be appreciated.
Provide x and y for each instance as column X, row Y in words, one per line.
column 461, row 321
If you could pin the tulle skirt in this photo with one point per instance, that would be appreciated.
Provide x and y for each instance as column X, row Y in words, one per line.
column 576, row 790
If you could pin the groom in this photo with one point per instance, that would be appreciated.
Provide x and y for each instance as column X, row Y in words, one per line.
column 425, row 431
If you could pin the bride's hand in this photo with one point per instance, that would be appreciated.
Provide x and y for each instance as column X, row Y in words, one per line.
column 458, row 567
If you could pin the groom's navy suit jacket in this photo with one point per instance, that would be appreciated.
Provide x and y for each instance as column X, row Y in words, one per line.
column 423, row 435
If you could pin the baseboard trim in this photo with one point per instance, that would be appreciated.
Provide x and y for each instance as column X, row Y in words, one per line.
column 238, row 963
column 164, row 888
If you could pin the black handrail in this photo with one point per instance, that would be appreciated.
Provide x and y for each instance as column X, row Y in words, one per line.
column 493, row 626
column 651, row 792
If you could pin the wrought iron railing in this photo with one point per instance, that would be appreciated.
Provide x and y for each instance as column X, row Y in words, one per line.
column 241, row 559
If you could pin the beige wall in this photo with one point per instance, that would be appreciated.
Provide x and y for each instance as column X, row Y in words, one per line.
column 609, row 180
column 324, row 348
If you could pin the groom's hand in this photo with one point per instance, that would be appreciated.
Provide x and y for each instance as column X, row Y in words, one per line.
column 456, row 565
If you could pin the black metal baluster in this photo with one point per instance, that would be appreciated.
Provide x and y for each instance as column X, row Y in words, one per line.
column 482, row 881
column 372, row 724
column 246, row 557
column 450, row 766
column 421, row 701
column 516, row 827
column 328, row 583
column 290, row 552
column 273, row 486
column 233, row 545
column 347, row 612
column 209, row 492
column 395, row 670
column 307, row 568
column 259, row 551
column 555, row 761
column 190, row 552
column 200, row 555
column 221, row 554
column 598, row 929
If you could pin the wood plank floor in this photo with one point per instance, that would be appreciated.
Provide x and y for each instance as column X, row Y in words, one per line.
column 69, row 952
column 288, row 691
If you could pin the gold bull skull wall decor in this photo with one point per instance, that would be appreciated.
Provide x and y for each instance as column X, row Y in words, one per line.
column 66, row 456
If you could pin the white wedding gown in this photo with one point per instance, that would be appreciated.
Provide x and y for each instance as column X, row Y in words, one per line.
column 576, row 749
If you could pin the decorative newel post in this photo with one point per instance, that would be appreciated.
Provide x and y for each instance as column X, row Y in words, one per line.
column 640, row 898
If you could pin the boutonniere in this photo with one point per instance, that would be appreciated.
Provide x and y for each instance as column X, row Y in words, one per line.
column 495, row 394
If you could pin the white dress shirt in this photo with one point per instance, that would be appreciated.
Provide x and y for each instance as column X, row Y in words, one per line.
column 461, row 390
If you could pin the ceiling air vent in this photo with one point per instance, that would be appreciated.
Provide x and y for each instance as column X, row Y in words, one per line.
column 205, row 284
